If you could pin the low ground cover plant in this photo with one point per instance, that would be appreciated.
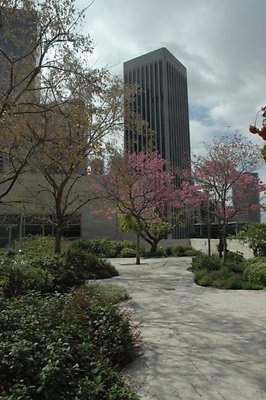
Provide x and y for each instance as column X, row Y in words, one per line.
column 61, row 339
column 66, row 346
column 236, row 273
column 106, row 293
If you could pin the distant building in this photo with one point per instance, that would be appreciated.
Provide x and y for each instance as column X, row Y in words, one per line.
column 18, row 44
column 29, row 210
column 18, row 56
column 249, row 211
column 252, row 197
column 162, row 102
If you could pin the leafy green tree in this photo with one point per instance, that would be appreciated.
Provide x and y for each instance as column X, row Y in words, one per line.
column 254, row 234
column 151, row 232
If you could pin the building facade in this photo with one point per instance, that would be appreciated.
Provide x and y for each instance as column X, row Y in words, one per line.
column 162, row 101
column 247, row 213
column 18, row 58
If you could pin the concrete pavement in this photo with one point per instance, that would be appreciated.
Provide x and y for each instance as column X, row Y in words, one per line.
column 199, row 343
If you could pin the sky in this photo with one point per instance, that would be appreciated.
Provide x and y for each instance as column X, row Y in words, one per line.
column 220, row 42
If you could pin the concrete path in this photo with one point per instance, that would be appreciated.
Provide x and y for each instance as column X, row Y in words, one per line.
column 199, row 343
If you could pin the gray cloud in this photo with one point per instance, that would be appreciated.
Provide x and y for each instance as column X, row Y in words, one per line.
column 221, row 43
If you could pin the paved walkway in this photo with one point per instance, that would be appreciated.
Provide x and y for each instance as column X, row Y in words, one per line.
column 199, row 343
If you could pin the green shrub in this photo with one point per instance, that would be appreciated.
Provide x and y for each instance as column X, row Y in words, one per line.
column 38, row 245
column 22, row 273
column 128, row 244
column 251, row 286
column 160, row 252
column 17, row 279
column 221, row 277
column 235, row 274
column 63, row 347
column 88, row 266
column 255, row 272
column 236, row 268
column 179, row 251
column 190, row 252
column 254, row 234
column 202, row 277
column 127, row 252
column 98, row 247
column 235, row 282
column 235, row 257
column 168, row 251
column 254, row 260
column 143, row 252
column 212, row 263
column 106, row 248
column 75, row 267
column 111, row 334
column 65, row 275
column 185, row 251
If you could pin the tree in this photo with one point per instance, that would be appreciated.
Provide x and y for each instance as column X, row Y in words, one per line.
column 69, row 135
column 43, row 60
column 143, row 192
column 16, row 150
column 225, row 174
column 254, row 234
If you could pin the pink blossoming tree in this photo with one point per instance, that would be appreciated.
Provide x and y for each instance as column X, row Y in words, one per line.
column 224, row 173
column 142, row 190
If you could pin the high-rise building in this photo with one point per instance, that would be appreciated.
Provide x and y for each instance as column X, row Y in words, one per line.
column 249, row 206
column 18, row 54
column 18, row 44
column 162, row 101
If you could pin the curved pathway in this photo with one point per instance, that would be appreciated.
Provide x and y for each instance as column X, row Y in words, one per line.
column 199, row 343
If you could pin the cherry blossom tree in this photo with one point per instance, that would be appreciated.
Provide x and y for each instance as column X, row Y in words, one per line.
column 142, row 190
column 225, row 174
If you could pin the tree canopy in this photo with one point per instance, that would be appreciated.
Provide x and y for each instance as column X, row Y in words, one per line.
column 225, row 173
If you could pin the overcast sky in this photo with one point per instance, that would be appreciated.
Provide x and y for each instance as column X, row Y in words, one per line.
column 220, row 42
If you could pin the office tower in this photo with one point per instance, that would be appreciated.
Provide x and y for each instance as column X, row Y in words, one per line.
column 18, row 52
column 162, row 102
column 252, row 197
column 18, row 44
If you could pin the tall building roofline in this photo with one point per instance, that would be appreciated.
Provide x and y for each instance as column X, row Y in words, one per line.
column 155, row 55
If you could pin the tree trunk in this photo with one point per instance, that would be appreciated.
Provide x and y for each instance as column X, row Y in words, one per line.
column 58, row 239
column 220, row 247
column 138, row 249
column 209, row 229
column 153, row 248
column 224, row 244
